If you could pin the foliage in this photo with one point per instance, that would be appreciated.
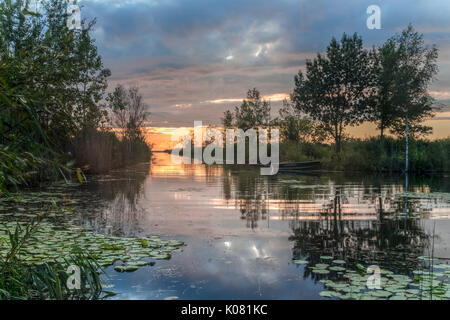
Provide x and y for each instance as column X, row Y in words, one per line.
column 295, row 127
column 227, row 119
column 334, row 89
column 403, row 69
column 98, row 151
column 55, row 74
column 253, row 112
column 417, row 67
column 373, row 155
column 52, row 84
column 128, row 111
column 13, row 168
column 47, row 281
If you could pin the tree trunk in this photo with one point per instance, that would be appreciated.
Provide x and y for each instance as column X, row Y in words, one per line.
column 337, row 139
column 338, row 144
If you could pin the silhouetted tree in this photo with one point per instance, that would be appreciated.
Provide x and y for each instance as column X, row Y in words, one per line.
column 335, row 88
column 295, row 127
column 129, row 112
column 253, row 111
column 404, row 68
column 227, row 119
column 417, row 67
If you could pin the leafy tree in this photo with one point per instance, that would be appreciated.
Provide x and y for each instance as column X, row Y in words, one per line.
column 56, row 74
column 404, row 67
column 90, row 80
column 385, row 67
column 334, row 89
column 52, row 81
column 417, row 68
column 295, row 127
column 227, row 119
column 253, row 111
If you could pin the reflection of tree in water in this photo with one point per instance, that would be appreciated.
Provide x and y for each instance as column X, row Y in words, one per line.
column 118, row 213
column 359, row 220
column 251, row 194
column 387, row 242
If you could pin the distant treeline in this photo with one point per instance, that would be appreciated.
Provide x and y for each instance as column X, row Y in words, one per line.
column 349, row 85
column 54, row 110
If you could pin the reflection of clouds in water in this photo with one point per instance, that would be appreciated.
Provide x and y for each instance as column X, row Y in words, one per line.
column 243, row 230
column 245, row 261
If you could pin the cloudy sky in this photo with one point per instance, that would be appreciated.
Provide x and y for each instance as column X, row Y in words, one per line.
column 194, row 59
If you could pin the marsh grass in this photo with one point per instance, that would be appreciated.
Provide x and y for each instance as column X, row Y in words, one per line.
column 373, row 155
column 98, row 151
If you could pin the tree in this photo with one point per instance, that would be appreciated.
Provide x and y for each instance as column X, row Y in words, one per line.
column 56, row 72
column 253, row 111
column 385, row 66
column 90, row 80
column 294, row 127
column 417, row 68
column 227, row 119
column 403, row 68
column 129, row 112
column 335, row 88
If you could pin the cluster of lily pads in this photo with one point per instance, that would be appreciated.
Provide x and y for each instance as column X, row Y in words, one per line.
column 52, row 243
column 350, row 282
column 58, row 235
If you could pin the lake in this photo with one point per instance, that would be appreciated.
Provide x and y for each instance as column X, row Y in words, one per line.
column 283, row 237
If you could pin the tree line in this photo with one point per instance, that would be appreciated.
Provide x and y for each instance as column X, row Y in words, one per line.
column 349, row 85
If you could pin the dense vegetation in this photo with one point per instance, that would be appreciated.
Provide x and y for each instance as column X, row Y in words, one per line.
column 53, row 106
column 349, row 85
column 373, row 155
column 54, row 118
column 19, row 281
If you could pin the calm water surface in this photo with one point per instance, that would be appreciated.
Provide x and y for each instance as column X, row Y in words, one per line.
column 243, row 230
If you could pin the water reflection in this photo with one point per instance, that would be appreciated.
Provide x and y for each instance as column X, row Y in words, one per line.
column 243, row 230
column 119, row 210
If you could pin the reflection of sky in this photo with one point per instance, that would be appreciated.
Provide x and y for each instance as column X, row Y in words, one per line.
column 252, row 267
column 199, row 57
column 229, row 256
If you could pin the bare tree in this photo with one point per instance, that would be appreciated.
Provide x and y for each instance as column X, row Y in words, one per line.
column 128, row 110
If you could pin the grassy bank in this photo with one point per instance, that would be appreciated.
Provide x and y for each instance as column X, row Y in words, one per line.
column 370, row 155
column 373, row 155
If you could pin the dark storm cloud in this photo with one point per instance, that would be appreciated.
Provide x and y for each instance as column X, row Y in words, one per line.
column 183, row 53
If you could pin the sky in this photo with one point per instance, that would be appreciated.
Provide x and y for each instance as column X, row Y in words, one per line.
column 192, row 60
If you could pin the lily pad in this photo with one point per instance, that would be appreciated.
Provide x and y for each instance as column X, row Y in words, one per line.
column 326, row 294
column 320, row 271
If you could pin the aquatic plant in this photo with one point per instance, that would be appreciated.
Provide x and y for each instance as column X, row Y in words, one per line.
column 37, row 245
column 19, row 280
column 350, row 282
